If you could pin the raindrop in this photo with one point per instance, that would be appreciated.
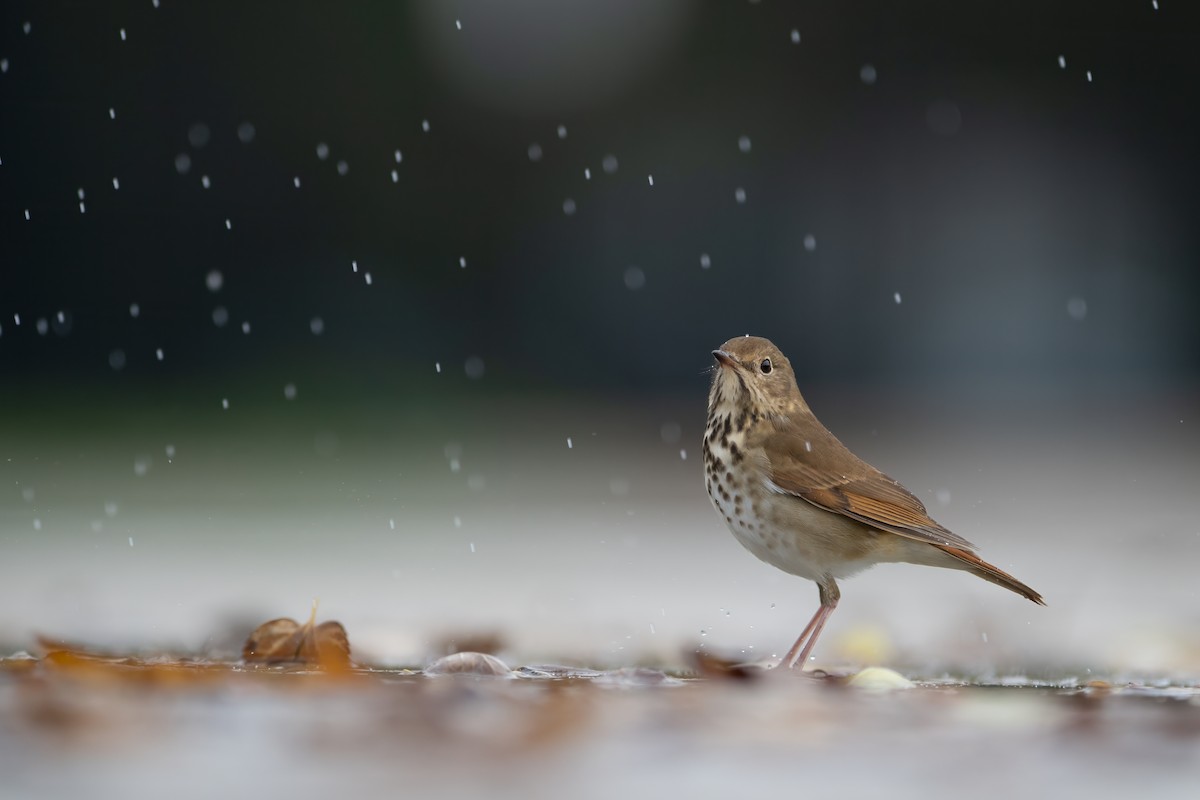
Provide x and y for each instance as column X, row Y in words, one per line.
column 214, row 280
column 868, row 74
column 634, row 278
column 458, row 24
column 343, row 168
column 1089, row 76
column 472, row 547
column 569, row 444
column 116, row 184
column 392, row 523
column 457, row 522
column 473, row 367
column 111, row 508
column 744, row 144
column 739, row 194
column 296, row 181
column 367, row 278
column 246, row 132
column 116, row 359
column 225, row 403
column 159, row 354
column 587, row 173
column 683, row 455
column 1062, row 62
column 27, row 215
column 943, row 118
column 228, row 224
column 131, row 541
column 112, row 113
column 205, row 182
column 61, row 323
column 26, row 27
column 183, row 163
column 425, row 125
column 1154, row 4
column 198, row 135
column 246, row 327
column 122, row 34
column 134, row 310
column 220, row 316
column 1077, row 308
column 795, row 36
column 322, row 151
column 289, row 391
column 398, row 156
column 316, row 325
column 37, row 524
column 82, row 208
column 395, row 176
column 42, row 326
column 535, row 152
column 810, row 242
column 562, row 131
column 609, row 164
column 437, row 367
column 354, row 266
column 568, row 206
column 141, row 465
column 807, row 446
column 79, row 193
column 27, row 494
column 17, row 320
column 705, row 261
column 896, row 297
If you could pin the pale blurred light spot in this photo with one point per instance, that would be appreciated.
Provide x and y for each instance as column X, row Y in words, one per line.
column 670, row 432
column 198, row 135
column 896, row 297
column 609, row 163
column 535, row 152
column 568, row 206
column 343, row 168
column 744, row 144
column 289, row 391
column 316, row 325
column 183, row 163
column 214, row 280
column 810, row 242
column 634, row 278
column 322, row 151
column 220, row 316
column 134, row 310
column 1077, row 308
column 474, row 367
column 246, row 132
column 562, row 131
column 705, row 261
column 1062, row 62
column 739, row 194
column 943, row 118
column 868, row 74
column 116, row 359
column 795, row 36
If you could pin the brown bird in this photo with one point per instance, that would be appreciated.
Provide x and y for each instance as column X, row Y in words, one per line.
column 798, row 499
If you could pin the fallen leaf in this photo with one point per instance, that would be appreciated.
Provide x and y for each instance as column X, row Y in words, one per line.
column 283, row 641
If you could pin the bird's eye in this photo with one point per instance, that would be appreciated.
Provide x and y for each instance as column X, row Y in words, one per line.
column 765, row 366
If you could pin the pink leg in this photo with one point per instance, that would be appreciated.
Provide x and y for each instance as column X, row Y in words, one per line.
column 808, row 637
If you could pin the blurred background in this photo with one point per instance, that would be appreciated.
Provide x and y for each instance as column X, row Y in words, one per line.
column 409, row 306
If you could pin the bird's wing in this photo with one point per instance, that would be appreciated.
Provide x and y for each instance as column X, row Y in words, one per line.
column 814, row 466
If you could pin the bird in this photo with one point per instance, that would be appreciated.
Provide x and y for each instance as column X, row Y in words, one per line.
column 798, row 499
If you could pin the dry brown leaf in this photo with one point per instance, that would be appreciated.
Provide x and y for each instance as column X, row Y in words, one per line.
column 283, row 641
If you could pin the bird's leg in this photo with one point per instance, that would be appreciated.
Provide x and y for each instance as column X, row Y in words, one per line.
column 808, row 637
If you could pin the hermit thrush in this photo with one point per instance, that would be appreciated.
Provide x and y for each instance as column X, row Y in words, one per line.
column 794, row 496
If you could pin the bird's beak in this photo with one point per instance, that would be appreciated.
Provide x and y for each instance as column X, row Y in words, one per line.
column 724, row 359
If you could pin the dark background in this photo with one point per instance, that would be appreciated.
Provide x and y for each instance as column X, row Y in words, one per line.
column 1039, row 228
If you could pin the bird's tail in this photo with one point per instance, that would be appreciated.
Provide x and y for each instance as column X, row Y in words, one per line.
column 977, row 566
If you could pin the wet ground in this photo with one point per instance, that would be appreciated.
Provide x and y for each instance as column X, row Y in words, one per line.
column 430, row 536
